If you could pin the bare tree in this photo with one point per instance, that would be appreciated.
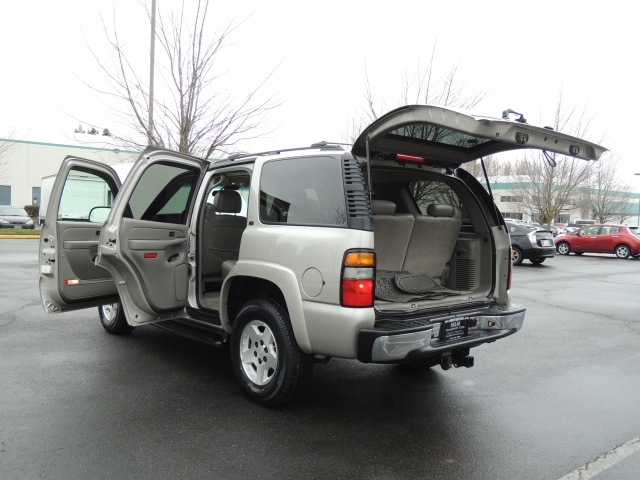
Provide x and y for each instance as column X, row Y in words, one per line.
column 608, row 194
column 495, row 168
column 6, row 149
column 422, row 86
column 547, row 184
column 193, row 112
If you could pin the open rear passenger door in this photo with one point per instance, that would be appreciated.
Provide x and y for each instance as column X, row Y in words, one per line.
column 144, row 242
column 82, row 194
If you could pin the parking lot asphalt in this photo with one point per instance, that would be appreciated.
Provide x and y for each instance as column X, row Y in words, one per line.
column 78, row 403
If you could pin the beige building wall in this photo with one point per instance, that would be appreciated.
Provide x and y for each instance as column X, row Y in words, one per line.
column 24, row 163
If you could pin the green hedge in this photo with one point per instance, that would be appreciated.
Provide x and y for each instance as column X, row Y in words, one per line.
column 32, row 210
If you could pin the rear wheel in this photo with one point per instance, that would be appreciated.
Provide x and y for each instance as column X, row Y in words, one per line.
column 622, row 251
column 537, row 261
column 564, row 248
column 113, row 319
column 265, row 357
column 516, row 256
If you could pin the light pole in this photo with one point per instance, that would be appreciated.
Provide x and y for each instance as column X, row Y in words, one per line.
column 152, row 60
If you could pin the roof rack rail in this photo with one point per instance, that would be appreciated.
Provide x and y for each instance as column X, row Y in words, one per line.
column 323, row 145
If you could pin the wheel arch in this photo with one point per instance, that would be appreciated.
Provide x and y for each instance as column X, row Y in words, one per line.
column 257, row 280
column 622, row 244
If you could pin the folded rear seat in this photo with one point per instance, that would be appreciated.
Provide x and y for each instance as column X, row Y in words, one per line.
column 420, row 244
column 392, row 233
column 433, row 239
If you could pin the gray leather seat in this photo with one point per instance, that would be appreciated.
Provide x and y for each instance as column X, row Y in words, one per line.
column 433, row 240
column 222, row 233
column 391, row 235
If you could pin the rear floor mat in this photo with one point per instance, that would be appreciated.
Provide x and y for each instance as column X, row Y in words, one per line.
column 407, row 287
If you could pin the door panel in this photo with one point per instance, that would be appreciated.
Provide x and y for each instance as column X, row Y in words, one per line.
column 69, row 278
column 158, row 253
column 608, row 239
column 79, row 277
column 144, row 241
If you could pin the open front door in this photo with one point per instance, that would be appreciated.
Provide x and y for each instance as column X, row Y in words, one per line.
column 80, row 198
column 144, row 242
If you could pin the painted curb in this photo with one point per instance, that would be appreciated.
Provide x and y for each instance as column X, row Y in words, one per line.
column 19, row 236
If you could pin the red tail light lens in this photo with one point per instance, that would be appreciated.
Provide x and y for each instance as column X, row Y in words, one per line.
column 357, row 293
column 357, row 282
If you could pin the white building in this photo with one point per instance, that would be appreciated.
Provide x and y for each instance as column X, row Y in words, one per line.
column 24, row 161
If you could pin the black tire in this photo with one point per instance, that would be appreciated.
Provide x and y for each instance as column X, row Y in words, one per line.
column 271, row 368
column 113, row 319
column 563, row 248
column 537, row 261
column 516, row 256
column 622, row 251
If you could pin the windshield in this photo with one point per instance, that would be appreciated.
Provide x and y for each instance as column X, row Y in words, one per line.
column 13, row 212
column 635, row 230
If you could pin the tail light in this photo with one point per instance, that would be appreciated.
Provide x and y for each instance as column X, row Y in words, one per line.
column 358, row 280
column 532, row 237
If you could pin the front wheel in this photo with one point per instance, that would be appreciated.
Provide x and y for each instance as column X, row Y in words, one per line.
column 564, row 248
column 113, row 319
column 537, row 261
column 622, row 251
column 265, row 357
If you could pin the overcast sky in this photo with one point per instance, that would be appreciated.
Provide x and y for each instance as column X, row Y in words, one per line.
column 520, row 54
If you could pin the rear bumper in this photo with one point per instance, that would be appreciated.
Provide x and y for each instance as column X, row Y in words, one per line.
column 382, row 345
column 539, row 252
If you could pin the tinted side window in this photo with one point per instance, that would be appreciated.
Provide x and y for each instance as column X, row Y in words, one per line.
column 303, row 191
column 589, row 231
column 82, row 192
column 163, row 194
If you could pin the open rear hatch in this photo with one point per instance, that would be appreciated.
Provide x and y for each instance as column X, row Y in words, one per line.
column 445, row 138
column 448, row 138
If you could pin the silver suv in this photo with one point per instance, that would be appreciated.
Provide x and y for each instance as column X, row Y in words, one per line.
column 388, row 252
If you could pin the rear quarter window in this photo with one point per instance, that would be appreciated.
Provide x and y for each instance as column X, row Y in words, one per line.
column 303, row 191
column 427, row 192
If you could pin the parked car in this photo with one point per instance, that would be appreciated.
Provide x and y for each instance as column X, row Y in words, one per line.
column 527, row 243
column 390, row 252
column 14, row 217
column 621, row 240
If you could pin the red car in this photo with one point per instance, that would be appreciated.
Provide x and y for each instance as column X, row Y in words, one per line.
column 621, row 240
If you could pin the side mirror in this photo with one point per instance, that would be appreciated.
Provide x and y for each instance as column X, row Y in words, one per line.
column 99, row 214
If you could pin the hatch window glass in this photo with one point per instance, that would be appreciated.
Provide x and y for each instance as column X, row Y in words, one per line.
column 303, row 191
column 163, row 194
column 428, row 133
column 83, row 192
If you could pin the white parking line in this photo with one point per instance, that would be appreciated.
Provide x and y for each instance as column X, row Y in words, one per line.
column 605, row 461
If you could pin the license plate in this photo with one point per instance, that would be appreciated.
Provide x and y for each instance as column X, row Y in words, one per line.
column 452, row 329
column 546, row 243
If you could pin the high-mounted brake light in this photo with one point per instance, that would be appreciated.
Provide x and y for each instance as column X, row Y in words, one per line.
column 357, row 282
column 409, row 158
